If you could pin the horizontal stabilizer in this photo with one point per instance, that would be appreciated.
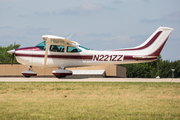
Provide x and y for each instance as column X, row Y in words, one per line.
column 145, row 57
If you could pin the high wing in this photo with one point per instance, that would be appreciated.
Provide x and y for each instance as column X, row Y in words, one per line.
column 56, row 40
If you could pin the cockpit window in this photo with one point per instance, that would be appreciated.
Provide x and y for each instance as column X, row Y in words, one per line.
column 56, row 48
column 72, row 49
column 84, row 47
column 42, row 45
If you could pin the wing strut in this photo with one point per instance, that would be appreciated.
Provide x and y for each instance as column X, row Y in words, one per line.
column 55, row 40
column 46, row 52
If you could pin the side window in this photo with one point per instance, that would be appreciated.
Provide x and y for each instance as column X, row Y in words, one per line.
column 56, row 48
column 72, row 49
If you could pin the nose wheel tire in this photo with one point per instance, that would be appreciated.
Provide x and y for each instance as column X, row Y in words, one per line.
column 29, row 73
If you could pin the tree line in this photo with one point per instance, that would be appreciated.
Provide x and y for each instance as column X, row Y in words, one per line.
column 159, row 67
column 5, row 57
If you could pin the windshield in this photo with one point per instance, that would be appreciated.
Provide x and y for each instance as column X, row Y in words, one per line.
column 42, row 45
column 84, row 47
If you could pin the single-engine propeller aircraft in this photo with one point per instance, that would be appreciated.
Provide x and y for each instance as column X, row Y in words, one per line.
column 60, row 52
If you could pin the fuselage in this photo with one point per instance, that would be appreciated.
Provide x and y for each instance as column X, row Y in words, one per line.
column 34, row 56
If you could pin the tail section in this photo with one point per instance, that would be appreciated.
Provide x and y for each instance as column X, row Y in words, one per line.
column 153, row 45
column 159, row 43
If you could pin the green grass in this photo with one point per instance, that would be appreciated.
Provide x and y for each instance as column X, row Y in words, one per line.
column 69, row 100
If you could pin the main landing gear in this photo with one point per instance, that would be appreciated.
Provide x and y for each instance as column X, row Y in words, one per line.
column 61, row 73
column 29, row 73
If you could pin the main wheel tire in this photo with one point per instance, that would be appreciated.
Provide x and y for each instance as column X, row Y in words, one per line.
column 63, row 76
column 27, row 76
column 60, row 76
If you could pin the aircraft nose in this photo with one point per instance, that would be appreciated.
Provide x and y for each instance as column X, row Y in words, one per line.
column 11, row 51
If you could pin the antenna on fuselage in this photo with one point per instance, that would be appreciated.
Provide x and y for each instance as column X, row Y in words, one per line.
column 69, row 36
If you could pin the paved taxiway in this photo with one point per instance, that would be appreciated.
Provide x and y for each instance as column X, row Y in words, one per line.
column 51, row 79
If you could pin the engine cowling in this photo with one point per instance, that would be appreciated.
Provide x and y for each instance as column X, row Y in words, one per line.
column 59, row 73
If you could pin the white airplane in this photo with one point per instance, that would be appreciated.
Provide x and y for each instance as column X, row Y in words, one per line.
column 60, row 52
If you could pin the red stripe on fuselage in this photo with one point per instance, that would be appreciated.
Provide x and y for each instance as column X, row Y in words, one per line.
column 58, row 56
column 158, row 51
column 29, row 49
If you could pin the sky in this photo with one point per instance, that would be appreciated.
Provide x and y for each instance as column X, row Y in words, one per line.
column 95, row 24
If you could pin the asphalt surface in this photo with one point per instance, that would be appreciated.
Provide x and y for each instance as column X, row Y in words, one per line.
column 51, row 79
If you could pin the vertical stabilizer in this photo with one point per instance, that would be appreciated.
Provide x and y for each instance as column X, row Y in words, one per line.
column 153, row 45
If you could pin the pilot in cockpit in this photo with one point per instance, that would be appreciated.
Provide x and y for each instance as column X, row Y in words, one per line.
column 55, row 48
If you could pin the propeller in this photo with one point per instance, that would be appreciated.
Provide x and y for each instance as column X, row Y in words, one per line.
column 13, row 53
column 69, row 36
